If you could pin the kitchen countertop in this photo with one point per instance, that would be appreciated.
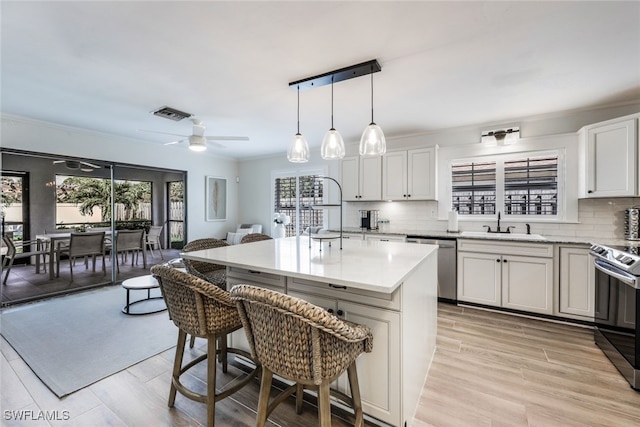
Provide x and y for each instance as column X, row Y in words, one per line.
column 443, row 234
column 368, row 265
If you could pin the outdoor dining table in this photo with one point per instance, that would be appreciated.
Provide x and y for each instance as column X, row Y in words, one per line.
column 53, row 239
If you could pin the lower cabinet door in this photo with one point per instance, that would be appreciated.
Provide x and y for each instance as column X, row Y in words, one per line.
column 380, row 389
column 479, row 278
column 527, row 284
column 577, row 284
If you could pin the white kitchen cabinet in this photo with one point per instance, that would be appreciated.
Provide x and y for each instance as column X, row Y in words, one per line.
column 576, row 283
column 381, row 392
column 609, row 158
column 514, row 275
column 361, row 178
column 409, row 175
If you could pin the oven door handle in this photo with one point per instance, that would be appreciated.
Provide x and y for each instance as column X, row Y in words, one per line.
column 620, row 275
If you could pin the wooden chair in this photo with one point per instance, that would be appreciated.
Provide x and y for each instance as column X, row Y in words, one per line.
column 81, row 245
column 302, row 343
column 255, row 237
column 12, row 254
column 130, row 241
column 201, row 309
column 153, row 239
column 212, row 273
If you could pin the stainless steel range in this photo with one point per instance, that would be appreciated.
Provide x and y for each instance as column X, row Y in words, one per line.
column 617, row 307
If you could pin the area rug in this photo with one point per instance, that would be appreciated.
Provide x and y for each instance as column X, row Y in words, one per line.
column 73, row 341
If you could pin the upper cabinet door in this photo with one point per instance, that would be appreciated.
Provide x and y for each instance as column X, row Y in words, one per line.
column 370, row 178
column 394, row 175
column 611, row 159
column 349, row 175
column 421, row 174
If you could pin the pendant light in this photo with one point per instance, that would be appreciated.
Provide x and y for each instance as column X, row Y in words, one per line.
column 332, row 143
column 372, row 142
column 299, row 148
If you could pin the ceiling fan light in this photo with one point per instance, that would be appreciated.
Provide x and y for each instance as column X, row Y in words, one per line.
column 373, row 142
column 197, row 143
column 298, row 149
column 332, row 145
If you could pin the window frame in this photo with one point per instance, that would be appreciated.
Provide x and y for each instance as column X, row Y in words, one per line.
column 500, row 160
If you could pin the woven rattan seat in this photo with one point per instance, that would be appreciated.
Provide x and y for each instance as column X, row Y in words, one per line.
column 201, row 309
column 212, row 273
column 302, row 343
column 255, row 237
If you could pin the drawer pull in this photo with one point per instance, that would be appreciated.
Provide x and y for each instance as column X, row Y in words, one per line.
column 337, row 286
column 330, row 310
column 253, row 271
column 340, row 313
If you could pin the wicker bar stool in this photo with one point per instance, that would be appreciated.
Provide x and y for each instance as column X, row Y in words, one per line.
column 255, row 237
column 213, row 273
column 201, row 309
column 303, row 343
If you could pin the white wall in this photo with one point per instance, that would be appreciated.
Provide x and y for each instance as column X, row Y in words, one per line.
column 23, row 134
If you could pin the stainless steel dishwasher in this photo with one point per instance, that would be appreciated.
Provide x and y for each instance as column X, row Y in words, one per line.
column 447, row 266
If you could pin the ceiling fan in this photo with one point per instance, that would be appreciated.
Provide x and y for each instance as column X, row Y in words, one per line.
column 76, row 164
column 198, row 140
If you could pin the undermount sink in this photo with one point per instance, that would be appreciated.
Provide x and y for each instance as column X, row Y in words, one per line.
column 506, row 236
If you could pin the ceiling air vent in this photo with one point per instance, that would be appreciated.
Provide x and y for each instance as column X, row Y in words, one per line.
column 171, row 113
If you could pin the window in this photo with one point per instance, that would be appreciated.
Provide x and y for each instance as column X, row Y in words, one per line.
column 474, row 187
column 311, row 192
column 514, row 185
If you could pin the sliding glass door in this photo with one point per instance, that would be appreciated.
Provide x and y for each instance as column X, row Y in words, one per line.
column 58, row 202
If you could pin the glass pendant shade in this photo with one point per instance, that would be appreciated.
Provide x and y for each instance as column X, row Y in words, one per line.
column 298, row 150
column 332, row 145
column 373, row 142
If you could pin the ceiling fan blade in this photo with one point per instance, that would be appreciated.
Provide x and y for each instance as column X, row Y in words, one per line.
column 163, row 133
column 174, row 142
column 91, row 165
column 227, row 138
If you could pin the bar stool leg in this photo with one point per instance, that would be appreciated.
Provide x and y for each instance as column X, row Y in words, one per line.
column 177, row 365
column 354, row 385
column 324, row 405
column 263, row 401
column 211, row 380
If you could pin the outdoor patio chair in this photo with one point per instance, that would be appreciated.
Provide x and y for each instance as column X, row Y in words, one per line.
column 212, row 273
column 81, row 245
column 130, row 241
column 153, row 238
column 12, row 254
column 201, row 309
column 302, row 343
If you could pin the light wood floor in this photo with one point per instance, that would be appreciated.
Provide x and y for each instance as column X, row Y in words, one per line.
column 490, row 369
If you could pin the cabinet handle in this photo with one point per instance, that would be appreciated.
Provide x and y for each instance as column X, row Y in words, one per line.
column 330, row 310
column 340, row 313
column 253, row 271
column 590, row 191
column 497, row 260
column 337, row 286
column 404, row 195
column 384, row 240
column 408, row 195
column 504, row 260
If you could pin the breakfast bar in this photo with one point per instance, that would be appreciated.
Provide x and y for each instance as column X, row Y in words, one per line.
column 389, row 286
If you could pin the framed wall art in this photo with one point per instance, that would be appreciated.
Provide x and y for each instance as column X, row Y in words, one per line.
column 215, row 199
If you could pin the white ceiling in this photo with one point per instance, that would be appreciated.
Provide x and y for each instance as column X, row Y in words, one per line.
column 105, row 66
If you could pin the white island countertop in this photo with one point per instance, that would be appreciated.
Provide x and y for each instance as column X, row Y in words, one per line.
column 368, row 265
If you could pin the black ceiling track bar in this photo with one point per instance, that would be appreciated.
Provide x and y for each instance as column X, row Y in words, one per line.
column 336, row 76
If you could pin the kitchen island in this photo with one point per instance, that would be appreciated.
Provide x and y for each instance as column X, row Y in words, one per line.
column 390, row 287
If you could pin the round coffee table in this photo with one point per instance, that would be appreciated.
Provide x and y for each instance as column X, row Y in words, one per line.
column 141, row 283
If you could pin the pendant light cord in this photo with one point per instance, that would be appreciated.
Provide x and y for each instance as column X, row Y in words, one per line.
column 331, row 102
column 298, row 108
column 372, row 94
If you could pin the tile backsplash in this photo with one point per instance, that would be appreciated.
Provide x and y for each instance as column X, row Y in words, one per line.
column 597, row 218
